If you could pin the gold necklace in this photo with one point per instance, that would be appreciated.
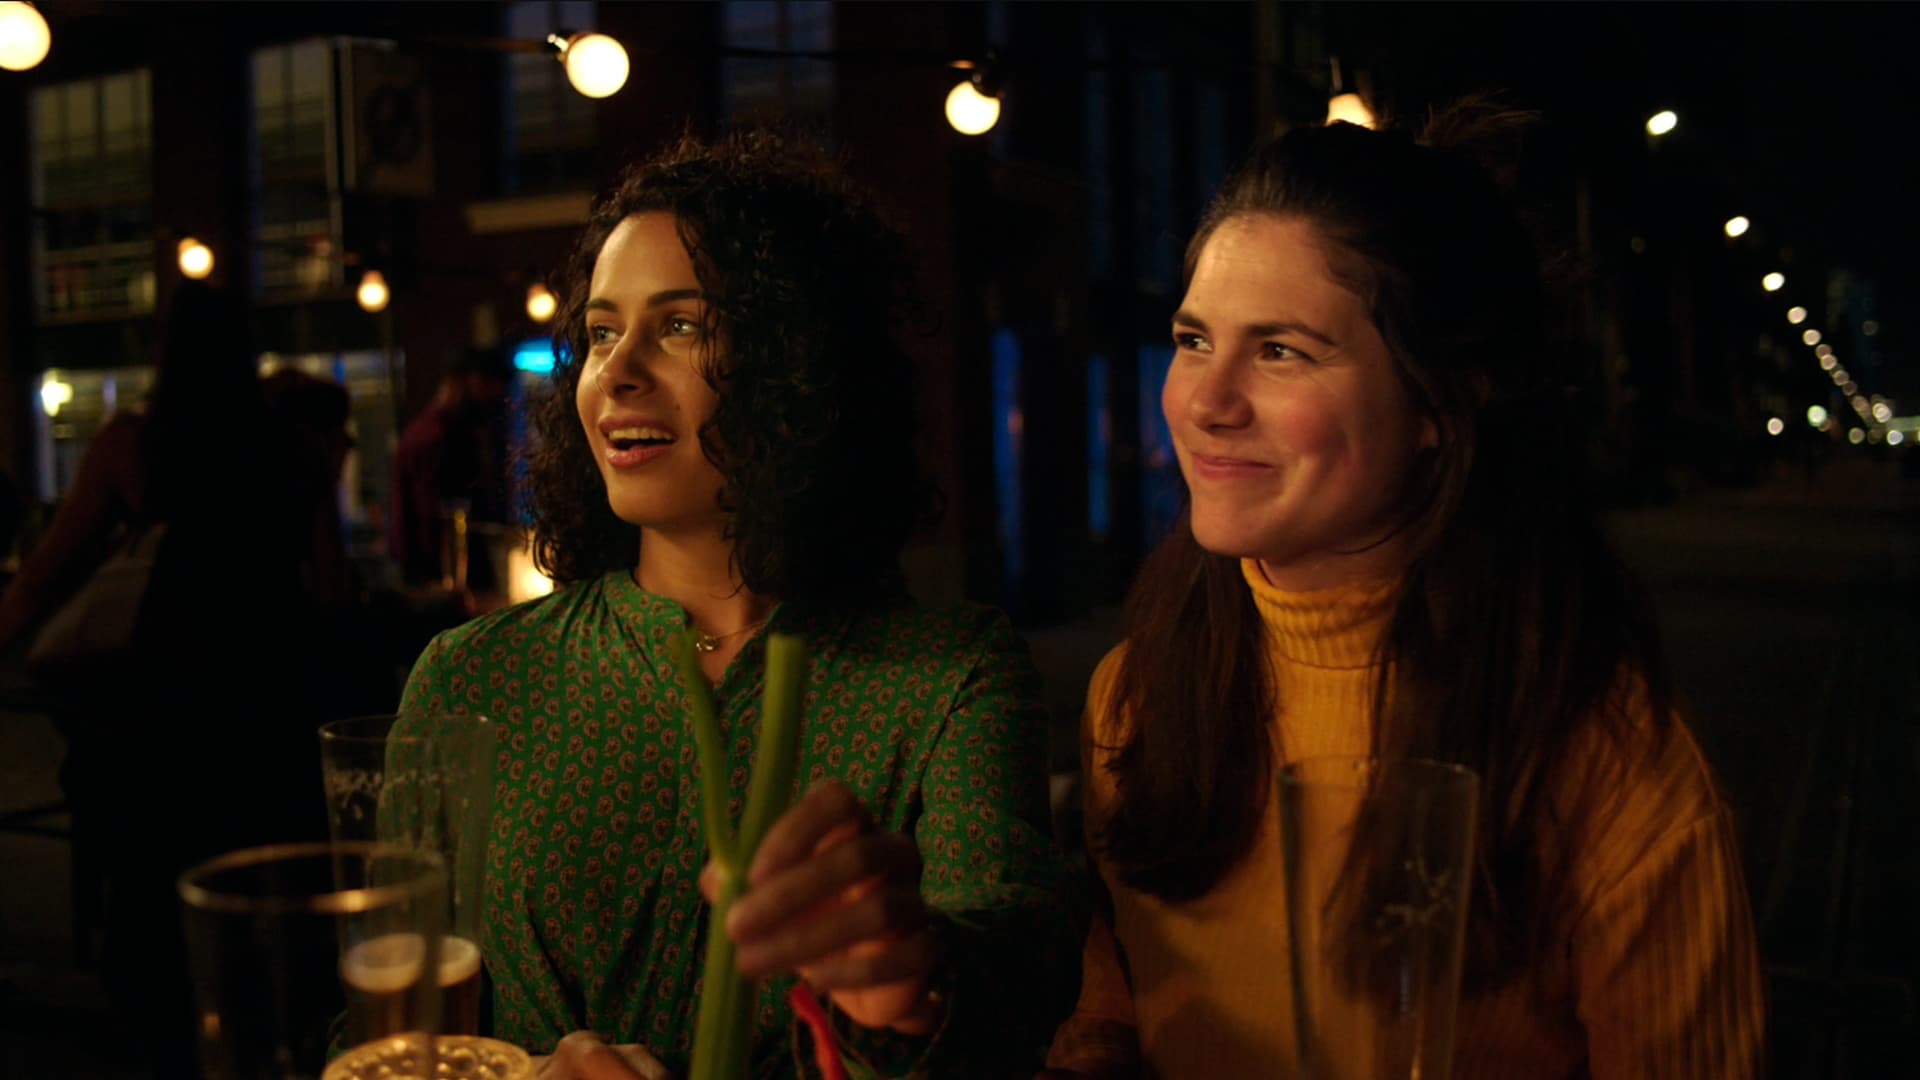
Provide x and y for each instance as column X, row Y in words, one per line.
column 704, row 642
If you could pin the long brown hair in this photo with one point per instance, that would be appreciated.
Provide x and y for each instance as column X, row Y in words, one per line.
column 1513, row 626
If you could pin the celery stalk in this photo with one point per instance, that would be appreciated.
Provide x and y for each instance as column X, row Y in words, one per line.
column 723, row 1032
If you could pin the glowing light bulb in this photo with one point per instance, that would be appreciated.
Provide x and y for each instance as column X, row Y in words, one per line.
column 596, row 64
column 196, row 258
column 1775, row 425
column 1816, row 415
column 1856, row 436
column 1824, row 351
column 1774, row 282
column 970, row 111
column 1796, row 315
column 1350, row 108
column 540, row 303
column 1662, row 122
column 1883, row 412
column 372, row 294
column 1738, row 226
column 1811, row 337
column 1896, row 437
column 54, row 393
column 24, row 37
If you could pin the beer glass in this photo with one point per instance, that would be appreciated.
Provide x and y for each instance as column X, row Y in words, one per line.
column 300, row 949
column 1377, row 858
column 427, row 786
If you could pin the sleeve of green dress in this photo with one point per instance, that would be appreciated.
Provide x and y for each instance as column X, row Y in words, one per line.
column 995, row 880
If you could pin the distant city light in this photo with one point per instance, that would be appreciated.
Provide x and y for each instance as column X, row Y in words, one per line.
column 1351, row 108
column 1816, row 415
column 1856, row 436
column 1870, row 328
column 1811, row 337
column 1774, row 282
column 1882, row 412
column 1896, row 437
column 1738, row 226
column 1662, row 122
column 969, row 111
column 1796, row 315
column 1775, row 425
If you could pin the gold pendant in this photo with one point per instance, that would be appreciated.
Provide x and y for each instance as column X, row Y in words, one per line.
column 704, row 642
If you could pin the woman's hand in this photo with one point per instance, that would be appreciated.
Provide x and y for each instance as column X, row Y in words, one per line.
column 583, row 1056
column 837, row 899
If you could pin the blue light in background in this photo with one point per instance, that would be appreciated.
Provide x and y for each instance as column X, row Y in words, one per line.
column 534, row 357
column 1161, row 489
column 1008, row 430
column 1099, row 448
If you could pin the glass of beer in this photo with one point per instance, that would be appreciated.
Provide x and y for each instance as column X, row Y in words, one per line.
column 299, row 951
column 423, row 782
column 1377, row 856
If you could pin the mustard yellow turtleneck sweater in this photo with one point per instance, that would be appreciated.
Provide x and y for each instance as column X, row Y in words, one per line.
column 1659, row 977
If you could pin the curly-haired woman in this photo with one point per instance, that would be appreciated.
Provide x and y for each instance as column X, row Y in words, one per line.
column 729, row 448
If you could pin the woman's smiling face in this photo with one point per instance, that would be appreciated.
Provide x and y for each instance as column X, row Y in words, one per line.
column 643, row 393
column 1292, row 424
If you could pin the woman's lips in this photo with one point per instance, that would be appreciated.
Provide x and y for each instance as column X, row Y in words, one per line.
column 636, row 456
column 1227, row 468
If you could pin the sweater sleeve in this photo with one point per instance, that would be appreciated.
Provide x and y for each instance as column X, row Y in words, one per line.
column 1668, row 974
column 993, row 878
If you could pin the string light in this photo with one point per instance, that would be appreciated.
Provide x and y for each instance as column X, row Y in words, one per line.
column 540, row 303
column 372, row 295
column 1774, row 282
column 1796, row 315
column 195, row 258
column 1662, row 122
column 596, row 64
column 24, row 36
column 1737, row 226
column 55, row 392
column 1811, row 336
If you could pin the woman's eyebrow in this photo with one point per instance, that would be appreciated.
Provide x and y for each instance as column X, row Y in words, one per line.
column 665, row 296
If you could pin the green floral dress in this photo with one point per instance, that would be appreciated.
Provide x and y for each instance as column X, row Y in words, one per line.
column 594, row 918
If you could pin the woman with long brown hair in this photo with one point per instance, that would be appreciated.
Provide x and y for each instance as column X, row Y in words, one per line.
column 1386, row 552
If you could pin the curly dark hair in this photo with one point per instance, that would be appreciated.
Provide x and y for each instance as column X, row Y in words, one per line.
column 810, row 290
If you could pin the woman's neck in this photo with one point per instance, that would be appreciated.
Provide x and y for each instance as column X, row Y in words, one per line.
column 696, row 571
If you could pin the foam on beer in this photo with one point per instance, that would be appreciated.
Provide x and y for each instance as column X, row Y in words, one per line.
column 391, row 962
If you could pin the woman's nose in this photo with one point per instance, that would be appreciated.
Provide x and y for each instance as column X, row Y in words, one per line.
column 1216, row 399
column 624, row 371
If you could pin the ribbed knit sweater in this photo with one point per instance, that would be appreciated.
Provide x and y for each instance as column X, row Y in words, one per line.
column 1656, row 973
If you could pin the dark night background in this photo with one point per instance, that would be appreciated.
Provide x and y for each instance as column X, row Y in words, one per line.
column 1784, row 564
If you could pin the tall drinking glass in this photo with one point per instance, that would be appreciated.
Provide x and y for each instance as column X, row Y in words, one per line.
column 300, row 949
column 430, row 789
column 1377, row 856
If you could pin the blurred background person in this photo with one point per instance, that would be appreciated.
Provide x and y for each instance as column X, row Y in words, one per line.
column 198, row 737
column 452, row 459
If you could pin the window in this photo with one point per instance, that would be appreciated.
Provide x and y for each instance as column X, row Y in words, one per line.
column 71, row 409
column 296, row 206
column 797, row 90
column 548, row 135
column 92, row 191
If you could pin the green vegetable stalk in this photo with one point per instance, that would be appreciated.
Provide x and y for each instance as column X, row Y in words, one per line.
column 723, row 1034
